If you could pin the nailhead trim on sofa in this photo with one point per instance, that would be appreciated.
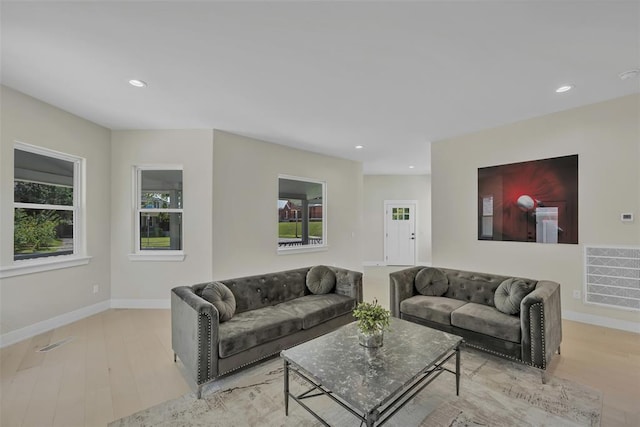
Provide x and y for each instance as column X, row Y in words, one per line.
column 544, row 358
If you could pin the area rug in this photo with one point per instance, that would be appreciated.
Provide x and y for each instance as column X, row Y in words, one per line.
column 493, row 392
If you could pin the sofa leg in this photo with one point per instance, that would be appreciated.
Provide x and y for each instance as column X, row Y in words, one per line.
column 550, row 367
column 545, row 376
column 175, row 358
column 199, row 392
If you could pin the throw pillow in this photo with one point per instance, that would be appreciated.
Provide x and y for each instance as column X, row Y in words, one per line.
column 431, row 282
column 321, row 279
column 222, row 299
column 509, row 295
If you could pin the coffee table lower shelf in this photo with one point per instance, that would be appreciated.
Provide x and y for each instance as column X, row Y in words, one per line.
column 380, row 414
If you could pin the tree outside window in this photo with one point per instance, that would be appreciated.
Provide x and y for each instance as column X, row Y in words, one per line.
column 45, row 203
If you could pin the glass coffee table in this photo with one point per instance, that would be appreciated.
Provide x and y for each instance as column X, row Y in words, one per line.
column 372, row 384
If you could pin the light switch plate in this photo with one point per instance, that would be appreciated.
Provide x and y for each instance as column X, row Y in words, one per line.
column 626, row 217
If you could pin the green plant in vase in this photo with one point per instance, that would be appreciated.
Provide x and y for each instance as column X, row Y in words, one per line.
column 373, row 319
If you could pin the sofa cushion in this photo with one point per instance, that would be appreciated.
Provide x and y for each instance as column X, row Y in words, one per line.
column 222, row 299
column 488, row 321
column 509, row 295
column 321, row 280
column 435, row 309
column 431, row 282
column 255, row 327
column 315, row 309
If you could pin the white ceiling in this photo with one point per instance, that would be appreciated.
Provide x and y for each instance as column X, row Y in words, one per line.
column 322, row 76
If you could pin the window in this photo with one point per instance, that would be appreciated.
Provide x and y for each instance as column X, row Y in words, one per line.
column 400, row 214
column 159, row 212
column 46, row 195
column 302, row 222
column 486, row 231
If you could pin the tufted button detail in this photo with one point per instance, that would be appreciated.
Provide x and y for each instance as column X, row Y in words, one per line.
column 259, row 290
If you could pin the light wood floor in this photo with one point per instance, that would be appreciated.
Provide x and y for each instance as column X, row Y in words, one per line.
column 120, row 361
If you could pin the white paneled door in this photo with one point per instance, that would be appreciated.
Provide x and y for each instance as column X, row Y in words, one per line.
column 400, row 233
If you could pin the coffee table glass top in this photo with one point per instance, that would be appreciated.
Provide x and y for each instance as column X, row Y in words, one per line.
column 367, row 378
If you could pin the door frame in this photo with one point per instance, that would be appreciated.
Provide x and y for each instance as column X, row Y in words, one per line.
column 387, row 203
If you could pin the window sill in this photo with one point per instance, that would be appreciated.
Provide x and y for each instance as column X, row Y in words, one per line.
column 174, row 256
column 303, row 249
column 20, row 268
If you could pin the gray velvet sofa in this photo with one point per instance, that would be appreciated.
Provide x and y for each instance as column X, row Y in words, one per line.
column 467, row 309
column 272, row 312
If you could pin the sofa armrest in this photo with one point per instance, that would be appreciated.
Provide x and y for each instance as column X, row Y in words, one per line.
column 348, row 283
column 541, row 322
column 401, row 287
column 194, row 333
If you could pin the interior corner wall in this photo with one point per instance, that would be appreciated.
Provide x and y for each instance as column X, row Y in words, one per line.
column 245, row 217
column 32, row 298
column 377, row 189
column 605, row 136
column 149, row 283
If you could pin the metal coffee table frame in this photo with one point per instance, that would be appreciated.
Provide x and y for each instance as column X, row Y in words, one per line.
column 383, row 412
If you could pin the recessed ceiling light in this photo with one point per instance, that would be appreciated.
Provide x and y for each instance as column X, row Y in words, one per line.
column 411, row 167
column 565, row 88
column 359, row 147
column 137, row 83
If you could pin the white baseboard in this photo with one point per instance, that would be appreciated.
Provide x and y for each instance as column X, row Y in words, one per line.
column 141, row 303
column 49, row 324
column 383, row 264
column 374, row 263
column 607, row 322
column 73, row 316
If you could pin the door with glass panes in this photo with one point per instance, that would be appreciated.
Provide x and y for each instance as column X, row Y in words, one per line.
column 400, row 233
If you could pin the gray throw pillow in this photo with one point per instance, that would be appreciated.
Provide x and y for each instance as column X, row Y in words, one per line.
column 222, row 298
column 510, row 294
column 431, row 282
column 320, row 279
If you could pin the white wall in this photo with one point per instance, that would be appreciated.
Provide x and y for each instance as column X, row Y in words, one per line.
column 245, row 194
column 148, row 283
column 606, row 137
column 377, row 189
column 29, row 299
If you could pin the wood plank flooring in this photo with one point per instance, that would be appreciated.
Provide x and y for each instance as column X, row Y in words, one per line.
column 120, row 361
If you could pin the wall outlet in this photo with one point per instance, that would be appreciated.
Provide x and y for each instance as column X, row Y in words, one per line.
column 96, row 288
column 576, row 294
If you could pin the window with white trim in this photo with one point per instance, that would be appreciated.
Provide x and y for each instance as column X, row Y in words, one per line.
column 302, row 207
column 158, row 210
column 47, row 204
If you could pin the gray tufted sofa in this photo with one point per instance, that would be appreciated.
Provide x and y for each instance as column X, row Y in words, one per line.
column 467, row 309
column 273, row 312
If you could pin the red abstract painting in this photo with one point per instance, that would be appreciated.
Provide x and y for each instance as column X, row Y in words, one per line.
column 534, row 201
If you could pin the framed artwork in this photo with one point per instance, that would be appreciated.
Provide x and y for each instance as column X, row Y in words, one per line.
column 535, row 201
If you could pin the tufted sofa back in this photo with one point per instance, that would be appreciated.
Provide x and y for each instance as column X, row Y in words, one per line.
column 268, row 289
column 475, row 287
